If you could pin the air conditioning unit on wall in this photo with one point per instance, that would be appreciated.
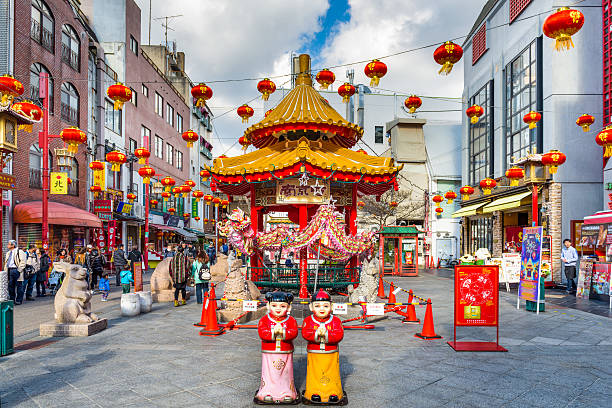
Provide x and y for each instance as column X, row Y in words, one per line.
column 138, row 210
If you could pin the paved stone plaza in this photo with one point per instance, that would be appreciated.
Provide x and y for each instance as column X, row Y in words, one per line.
column 561, row 358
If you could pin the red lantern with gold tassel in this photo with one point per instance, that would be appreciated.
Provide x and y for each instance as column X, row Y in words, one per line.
column 325, row 78
column 154, row 202
column 95, row 189
column 585, row 121
column 10, row 88
column 172, row 210
column 466, row 192
column 131, row 197
column 190, row 137
column 266, row 87
column 146, row 172
column 346, row 90
column 208, row 198
column 447, row 55
column 142, row 154
column 439, row 211
column 201, row 93
column 604, row 139
column 196, row 218
column 515, row 174
column 224, row 203
column 450, row 196
column 185, row 190
column 120, row 94
column 73, row 137
column 29, row 111
column 204, row 174
column 166, row 195
column 245, row 112
column 197, row 194
column 216, row 201
column 487, row 185
column 177, row 191
column 474, row 112
column 412, row 103
column 375, row 70
column 167, row 182
column 116, row 159
column 244, row 142
column 562, row 25
column 553, row 159
column 360, row 204
column 532, row 119
column 437, row 199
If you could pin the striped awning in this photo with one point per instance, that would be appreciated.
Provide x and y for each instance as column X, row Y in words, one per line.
column 469, row 210
column 505, row 203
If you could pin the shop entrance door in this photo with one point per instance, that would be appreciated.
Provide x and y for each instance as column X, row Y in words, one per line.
column 400, row 256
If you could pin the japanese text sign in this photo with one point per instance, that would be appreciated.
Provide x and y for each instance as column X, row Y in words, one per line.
column 476, row 295
column 531, row 257
column 302, row 190
column 59, row 183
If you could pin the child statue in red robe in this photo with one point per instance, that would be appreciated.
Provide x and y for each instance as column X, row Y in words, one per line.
column 277, row 330
column 323, row 331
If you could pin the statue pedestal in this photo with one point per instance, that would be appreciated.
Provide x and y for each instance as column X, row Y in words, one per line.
column 53, row 329
column 167, row 295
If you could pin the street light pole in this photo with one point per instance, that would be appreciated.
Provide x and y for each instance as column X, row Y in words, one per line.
column 43, row 143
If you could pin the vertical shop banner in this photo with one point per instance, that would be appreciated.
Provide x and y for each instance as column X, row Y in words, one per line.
column 101, row 240
column 137, row 277
column 194, row 208
column 112, row 232
column 99, row 178
column 546, row 264
column 476, row 295
column 531, row 256
column 600, row 282
column 585, row 274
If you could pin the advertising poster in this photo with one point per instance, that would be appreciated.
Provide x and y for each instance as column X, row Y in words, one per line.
column 137, row 276
column 112, row 229
column 584, row 279
column 546, row 265
column 476, row 295
column 531, row 257
column 589, row 235
column 58, row 183
column 510, row 270
column 600, row 283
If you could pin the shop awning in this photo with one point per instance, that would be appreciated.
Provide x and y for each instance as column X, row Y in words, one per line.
column 513, row 201
column 469, row 210
column 187, row 235
column 59, row 214
column 194, row 231
column 601, row 217
column 396, row 230
column 162, row 227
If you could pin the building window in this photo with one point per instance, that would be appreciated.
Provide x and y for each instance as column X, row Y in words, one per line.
column 379, row 131
column 159, row 147
column 70, row 104
column 481, row 234
column 134, row 99
column 145, row 136
column 36, row 166
column 35, row 70
column 145, row 90
column 133, row 145
column 73, row 173
column 170, row 115
column 159, row 105
column 170, row 154
column 179, row 123
column 479, row 43
column 71, row 47
column 179, row 160
column 517, row 7
column 480, row 136
column 42, row 30
column 133, row 45
column 112, row 117
column 521, row 98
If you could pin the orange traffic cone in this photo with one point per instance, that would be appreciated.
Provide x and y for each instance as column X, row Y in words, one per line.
column 410, row 311
column 392, row 298
column 428, row 332
column 381, row 288
column 203, row 319
column 212, row 325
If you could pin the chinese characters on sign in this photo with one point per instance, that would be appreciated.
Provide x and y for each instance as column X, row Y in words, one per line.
column 7, row 182
column 476, row 295
column 531, row 256
column 59, row 183
column 292, row 191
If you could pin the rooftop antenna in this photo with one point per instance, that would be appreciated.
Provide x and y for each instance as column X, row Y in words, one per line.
column 166, row 28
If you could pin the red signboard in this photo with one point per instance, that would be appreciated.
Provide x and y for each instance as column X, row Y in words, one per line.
column 137, row 276
column 103, row 206
column 476, row 303
column 7, row 182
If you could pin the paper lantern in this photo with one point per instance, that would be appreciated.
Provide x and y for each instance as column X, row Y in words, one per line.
column 346, row 90
column 186, row 215
column 553, row 159
column 69, row 180
column 190, row 183
column 96, row 166
column 439, row 211
column 245, row 112
column 10, row 88
column 196, row 218
column 116, row 159
column 224, row 203
column 437, row 199
column 208, row 198
column 487, row 185
column 120, row 94
column 172, row 210
column 146, row 172
column 131, row 197
column 532, row 119
column 474, row 112
column 585, row 121
column 244, row 142
column 325, row 78
column 95, row 189
column 185, row 190
column 190, row 137
column 360, row 204
column 73, row 137
column 176, row 191
column 154, row 202
column 412, row 103
column 216, row 201
column 142, row 154
column 447, row 55
column 450, row 196
column 201, row 94
column 197, row 194
column 375, row 70
column 166, row 195
column 393, row 204
column 604, row 139
column 205, row 220
column 562, row 25
column 28, row 110
column 167, row 182
column 466, row 192
column 266, row 87
column 204, row 174
column 515, row 174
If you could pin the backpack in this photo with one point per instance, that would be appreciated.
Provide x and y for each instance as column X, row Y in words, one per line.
column 204, row 273
column 28, row 270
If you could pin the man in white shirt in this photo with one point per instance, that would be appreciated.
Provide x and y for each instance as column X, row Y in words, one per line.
column 14, row 264
column 569, row 257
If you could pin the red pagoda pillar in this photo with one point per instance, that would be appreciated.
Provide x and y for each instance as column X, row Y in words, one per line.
column 255, row 275
column 303, row 218
column 353, row 230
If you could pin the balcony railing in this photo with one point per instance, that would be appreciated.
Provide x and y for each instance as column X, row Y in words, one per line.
column 70, row 115
column 35, row 178
column 41, row 35
column 70, row 57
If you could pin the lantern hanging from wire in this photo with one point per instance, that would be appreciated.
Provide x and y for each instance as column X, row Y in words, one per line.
column 450, row 196
column 553, row 159
column 515, row 174
column 375, row 70
column 177, row 191
column 224, row 203
column 266, row 87
column 197, row 194
column 204, row 174
column 532, row 119
column 439, row 211
column 168, row 183
column 216, row 201
column 561, row 25
column 604, row 139
column 146, row 172
column 208, row 198
column 474, row 112
column 131, row 197
column 487, row 184
column 120, row 94
column 196, row 218
column 201, row 94
column 190, row 183
column 190, row 137
column 154, row 202
column 10, row 88
column 185, row 190
column 447, row 55
column 466, row 192
column 346, row 90
column 116, row 159
column 29, row 111
column 585, row 121
column 166, row 195
column 95, row 189
column 437, row 199
column 244, row 142
column 142, row 154
column 73, row 137
column 172, row 210
column 245, row 112
column 412, row 103
column 325, row 78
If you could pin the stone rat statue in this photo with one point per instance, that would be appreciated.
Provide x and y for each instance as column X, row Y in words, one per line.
column 72, row 301
column 368, row 283
column 161, row 279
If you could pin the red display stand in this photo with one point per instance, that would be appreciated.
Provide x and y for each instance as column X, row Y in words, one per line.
column 476, row 304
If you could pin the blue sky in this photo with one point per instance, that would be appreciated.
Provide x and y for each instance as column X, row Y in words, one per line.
column 338, row 13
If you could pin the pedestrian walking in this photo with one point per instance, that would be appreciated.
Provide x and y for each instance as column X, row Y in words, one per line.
column 134, row 256
column 120, row 262
column 168, row 252
column 14, row 264
column 30, row 271
column 212, row 254
column 104, row 286
column 569, row 257
column 200, row 271
column 63, row 256
column 41, row 276
column 126, row 279
column 178, row 271
column 95, row 262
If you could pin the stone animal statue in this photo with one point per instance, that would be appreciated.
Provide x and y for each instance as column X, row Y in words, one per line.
column 220, row 269
column 160, row 278
column 72, row 301
column 236, row 287
column 368, row 283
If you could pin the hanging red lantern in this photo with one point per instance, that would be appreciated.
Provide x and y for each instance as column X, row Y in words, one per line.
column 167, row 182
column 553, row 159
column 487, row 185
column 360, row 204
column 28, row 110
column 73, row 137
column 216, row 201
column 146, row 172
column 562, row 25
column 437, row 199
column 474, row 112
column 244, row 142
column 96, row 165
column 166, row 195
column 154, row 202
column 120, row 94
column 447, row 55
column 69, row 180
column 116, row 159
column 375, row 70
column 185, row 190
column 439, row 210
column 131, row 197
column 190, row 183
column 177, row 191
column 10, row 88
column 186, row 215
column 208, row 198
column 205, row 220
column 515, row 174
column 204, row 174
column 245, row 112
column 172, row 210
column 393, row 204
column 532, row 118
column 346, row 90
column 450, row 196
column 269, row 111
column 95, row 189
column 201, row 93
column 196, row 218
column 325, row 78
column 412, row 103
column 142, row 154
column 197, row 194
column 266, row 87
column 466, row 192
column 585, row 121
column 604, row 139
column 190, row 137
column 224, row 203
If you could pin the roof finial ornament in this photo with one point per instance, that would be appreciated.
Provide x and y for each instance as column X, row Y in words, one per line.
column 303, row 76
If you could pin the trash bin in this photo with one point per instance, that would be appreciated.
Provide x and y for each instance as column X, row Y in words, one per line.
column 532, row 306
column 6, row 325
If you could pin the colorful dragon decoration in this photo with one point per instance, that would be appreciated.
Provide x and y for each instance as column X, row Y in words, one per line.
column 324, row 232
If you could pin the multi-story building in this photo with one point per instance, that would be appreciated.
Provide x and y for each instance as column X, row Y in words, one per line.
column 511, row 68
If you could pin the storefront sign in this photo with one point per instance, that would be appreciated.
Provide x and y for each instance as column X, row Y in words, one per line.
column 302, row 191
column 476, row 295
column 531, row 256
column 100, row 240
column 593, row 235
column 194, row 207
column 137, row 276
column 585, row 274
column 510, row 271
column 600, row 283
column 124, row 208
column 102, row 206
column 7, row 182
column 105, row 216
column 99, row 178
column 58, row 183
column 112, row 232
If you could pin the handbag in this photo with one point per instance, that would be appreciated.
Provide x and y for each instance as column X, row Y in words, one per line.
column 204, row 273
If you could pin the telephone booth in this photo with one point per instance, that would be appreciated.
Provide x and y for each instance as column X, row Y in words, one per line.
column 400, row 247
